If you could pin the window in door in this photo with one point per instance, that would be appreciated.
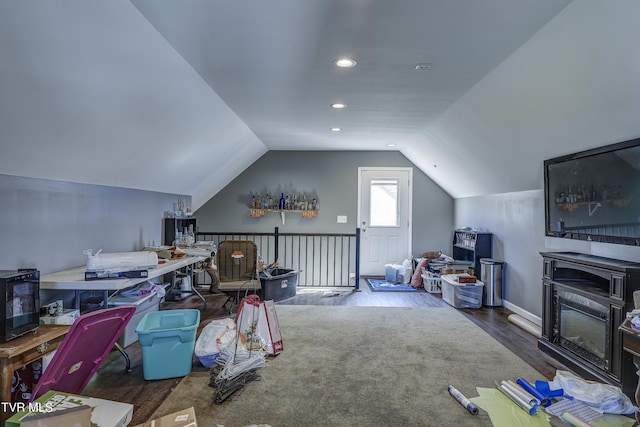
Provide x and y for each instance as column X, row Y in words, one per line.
column 383, row 209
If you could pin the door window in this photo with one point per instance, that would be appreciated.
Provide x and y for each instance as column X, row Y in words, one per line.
column 383, row 209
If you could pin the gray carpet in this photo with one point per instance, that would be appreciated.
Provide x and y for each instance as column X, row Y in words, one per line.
column 362, row 366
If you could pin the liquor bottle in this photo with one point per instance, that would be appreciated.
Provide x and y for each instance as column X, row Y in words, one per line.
column 185, row 237
column 270, row 206
column 282, row 202
column 191, row 237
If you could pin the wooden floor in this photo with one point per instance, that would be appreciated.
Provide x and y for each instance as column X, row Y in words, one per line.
column 114, row 383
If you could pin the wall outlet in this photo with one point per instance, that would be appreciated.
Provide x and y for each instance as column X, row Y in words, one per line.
column 342, row 219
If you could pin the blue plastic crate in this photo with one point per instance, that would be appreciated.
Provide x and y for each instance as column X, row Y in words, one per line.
column 167, row 339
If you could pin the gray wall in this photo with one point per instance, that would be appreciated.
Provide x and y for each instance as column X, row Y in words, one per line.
column 47, row 224
column 333, row 176
column 517, row 221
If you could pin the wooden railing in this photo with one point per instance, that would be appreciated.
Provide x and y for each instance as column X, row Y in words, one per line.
column 322, row 259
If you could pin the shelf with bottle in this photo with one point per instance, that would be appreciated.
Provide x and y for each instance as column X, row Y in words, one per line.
column 306, row 213
column 306, row 207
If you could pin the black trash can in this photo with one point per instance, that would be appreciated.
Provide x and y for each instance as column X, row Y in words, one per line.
column 491, row 274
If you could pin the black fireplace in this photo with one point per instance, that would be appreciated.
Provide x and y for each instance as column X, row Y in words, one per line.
column 585, row 300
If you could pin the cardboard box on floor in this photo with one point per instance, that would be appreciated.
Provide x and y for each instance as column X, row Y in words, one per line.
column 183, row 418
column 79, row 416
column 104, row 413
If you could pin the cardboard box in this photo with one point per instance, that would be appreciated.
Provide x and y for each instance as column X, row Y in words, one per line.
column 104, row 413
column 457, row 270
column 184, row 418
column 76, row 417
column 66, row 318
column 466, row 278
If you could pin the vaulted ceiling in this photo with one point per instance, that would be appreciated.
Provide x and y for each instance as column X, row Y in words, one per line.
column 182, row 96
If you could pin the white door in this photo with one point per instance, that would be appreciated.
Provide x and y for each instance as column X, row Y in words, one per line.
column 384, row 217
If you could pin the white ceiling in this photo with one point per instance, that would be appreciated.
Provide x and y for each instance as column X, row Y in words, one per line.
column 272, row 61
column 182, row 96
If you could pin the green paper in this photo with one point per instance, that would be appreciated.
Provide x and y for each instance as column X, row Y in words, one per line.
column 505, row 413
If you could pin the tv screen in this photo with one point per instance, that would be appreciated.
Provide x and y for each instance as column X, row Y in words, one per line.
column 594, row 195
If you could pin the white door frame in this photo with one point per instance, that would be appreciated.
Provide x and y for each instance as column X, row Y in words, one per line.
column 410, row 200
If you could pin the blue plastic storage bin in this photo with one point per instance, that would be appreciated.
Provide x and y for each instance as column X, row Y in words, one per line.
column 167, row 339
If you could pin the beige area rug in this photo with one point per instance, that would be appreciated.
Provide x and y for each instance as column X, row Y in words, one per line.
column 362, row 366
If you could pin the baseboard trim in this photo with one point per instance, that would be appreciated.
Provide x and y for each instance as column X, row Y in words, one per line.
column 522, row 312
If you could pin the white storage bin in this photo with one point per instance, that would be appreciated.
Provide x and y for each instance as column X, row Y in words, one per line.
column 461, row 295
column 145, row 304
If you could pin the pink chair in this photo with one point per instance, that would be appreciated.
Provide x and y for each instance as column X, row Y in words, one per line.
column 89, row 340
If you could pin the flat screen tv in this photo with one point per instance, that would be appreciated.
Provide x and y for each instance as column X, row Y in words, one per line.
column 594, row 195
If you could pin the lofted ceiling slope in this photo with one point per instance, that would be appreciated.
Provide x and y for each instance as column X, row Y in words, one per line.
column 91, row 93
column 180, row 97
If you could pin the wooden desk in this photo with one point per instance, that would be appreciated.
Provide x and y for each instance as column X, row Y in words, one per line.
column 631, row 344
column 23, row 350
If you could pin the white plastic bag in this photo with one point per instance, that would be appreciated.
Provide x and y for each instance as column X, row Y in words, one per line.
column 603, row 397
column 408, row 271
column 214, row 338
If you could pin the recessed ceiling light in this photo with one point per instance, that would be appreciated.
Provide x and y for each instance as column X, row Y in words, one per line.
column 424, row 66
column 345, row 62
column 391, row 145
column 336, row 129
column 338, row 105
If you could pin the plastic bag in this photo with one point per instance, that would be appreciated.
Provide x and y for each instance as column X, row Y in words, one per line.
column 398, row 273
column 214, row 338
column 408, row 271
column 258, row 325
column 604, row 397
